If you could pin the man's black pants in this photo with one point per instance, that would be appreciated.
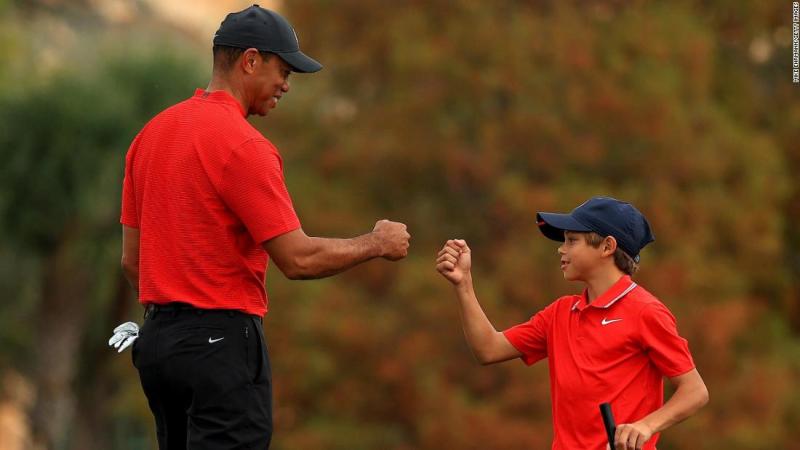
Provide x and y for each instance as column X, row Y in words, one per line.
column 207, row 378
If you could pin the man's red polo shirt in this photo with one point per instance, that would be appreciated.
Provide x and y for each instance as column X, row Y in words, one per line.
column 205, row 189
column 616, row 349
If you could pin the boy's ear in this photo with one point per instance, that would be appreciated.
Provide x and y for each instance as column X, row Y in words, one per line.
column 609, row 245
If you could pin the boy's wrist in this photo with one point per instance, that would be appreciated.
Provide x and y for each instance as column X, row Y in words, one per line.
column 648, row 422
column 465, row 285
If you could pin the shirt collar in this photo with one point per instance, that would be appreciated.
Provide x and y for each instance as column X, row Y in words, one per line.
column 615, row 293
column 219, row 97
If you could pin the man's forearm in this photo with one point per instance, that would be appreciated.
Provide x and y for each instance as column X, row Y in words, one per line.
column 329, row 256
column 130, row 256
column 132, row 275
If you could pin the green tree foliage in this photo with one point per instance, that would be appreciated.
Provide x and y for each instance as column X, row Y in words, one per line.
column 62, row 142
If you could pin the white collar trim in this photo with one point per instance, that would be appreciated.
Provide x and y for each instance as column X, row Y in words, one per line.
column 616, row 299
column 623, row 294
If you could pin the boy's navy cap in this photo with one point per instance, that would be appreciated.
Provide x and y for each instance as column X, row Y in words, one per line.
column 605, row 216
column 265, row 30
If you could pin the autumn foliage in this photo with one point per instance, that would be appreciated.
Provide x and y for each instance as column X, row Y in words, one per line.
column 461, row 119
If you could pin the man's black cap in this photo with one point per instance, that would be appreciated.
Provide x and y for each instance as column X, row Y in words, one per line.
column 267, row 31
column 605, row 216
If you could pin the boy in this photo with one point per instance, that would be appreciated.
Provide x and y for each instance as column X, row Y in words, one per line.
column 613, row 343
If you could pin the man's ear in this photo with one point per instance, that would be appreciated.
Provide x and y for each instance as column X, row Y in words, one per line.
column 609, row 245
column 250, row 59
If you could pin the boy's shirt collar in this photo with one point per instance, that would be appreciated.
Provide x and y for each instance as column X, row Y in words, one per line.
column 615, row 293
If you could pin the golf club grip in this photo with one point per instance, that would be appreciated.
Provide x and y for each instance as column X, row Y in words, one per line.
column 608, row 422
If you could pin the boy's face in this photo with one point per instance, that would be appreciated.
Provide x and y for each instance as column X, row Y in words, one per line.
column 579, row 259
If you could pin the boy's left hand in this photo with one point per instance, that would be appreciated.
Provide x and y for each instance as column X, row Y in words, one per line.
column 632, row 436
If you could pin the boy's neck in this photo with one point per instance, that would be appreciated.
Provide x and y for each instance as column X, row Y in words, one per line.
column 600, row 282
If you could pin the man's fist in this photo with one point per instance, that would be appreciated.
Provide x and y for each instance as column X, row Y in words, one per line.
column 454, row 261
column 393, row 237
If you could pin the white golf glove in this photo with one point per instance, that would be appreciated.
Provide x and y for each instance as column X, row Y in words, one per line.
column 124, row 335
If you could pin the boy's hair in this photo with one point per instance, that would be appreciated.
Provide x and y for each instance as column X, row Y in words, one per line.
column 622, row 260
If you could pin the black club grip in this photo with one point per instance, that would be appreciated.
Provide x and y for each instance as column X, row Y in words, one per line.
column 608, row 422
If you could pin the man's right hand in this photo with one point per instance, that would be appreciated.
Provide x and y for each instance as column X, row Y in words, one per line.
column 393, row 237
column 454, row 261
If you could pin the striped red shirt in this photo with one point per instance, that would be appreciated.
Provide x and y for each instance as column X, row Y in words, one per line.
column 616, row 349
column 205, row 189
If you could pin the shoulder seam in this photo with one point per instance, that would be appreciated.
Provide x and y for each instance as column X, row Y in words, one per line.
column 235, row 149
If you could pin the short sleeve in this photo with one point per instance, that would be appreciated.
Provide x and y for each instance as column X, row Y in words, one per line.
column 129, row 215
column 530, row 338
column 254, row 188
column 668, row 351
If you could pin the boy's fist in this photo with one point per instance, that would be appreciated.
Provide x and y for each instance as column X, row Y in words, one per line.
column 454, row 261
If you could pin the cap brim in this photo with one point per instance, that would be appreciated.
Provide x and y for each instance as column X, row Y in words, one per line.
column 300, row 62
column 554, row 225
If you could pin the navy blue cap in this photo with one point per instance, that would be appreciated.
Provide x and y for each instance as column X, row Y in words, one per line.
column 605, row 216
column 265, row 30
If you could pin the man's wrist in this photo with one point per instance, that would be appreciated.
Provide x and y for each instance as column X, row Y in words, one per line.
column 374, row 244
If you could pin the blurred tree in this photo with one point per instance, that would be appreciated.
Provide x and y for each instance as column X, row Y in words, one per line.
column 63, row 142
column 462, row 119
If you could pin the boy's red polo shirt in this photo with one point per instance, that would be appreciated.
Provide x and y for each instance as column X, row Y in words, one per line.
column 205, row 189
column 616, row 349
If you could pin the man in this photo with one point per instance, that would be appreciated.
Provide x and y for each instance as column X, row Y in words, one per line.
column 204, row 206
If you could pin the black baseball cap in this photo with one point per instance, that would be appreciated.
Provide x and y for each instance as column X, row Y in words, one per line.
column 267, row 31
column 605, row 216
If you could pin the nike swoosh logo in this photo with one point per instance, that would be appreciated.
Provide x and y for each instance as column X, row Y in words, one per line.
column 211, row 341
column 606, row 321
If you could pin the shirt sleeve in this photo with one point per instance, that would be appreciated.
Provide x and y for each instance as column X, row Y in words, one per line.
column 254, row 188
column 530, row 337
column 660, row 339
column 130, row 214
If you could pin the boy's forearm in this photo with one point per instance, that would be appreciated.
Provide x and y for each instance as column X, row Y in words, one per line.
column 687, row 400
column 478, row 330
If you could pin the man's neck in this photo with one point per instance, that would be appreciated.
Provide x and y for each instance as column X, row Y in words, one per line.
column 219, row 83
column 600, row 282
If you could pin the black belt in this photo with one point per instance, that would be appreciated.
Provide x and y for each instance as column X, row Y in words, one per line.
column 175, row 307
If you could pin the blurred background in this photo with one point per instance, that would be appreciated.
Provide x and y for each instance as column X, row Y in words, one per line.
column 459, row 118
